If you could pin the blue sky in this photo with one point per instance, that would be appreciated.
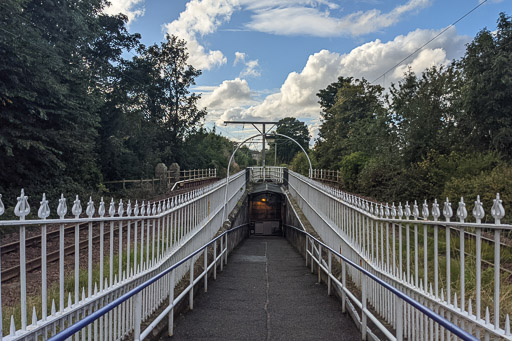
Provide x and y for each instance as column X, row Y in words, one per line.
column 266, row 59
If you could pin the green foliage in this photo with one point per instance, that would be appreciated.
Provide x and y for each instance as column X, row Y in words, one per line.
column 445, row 132
column 355, row 122
column 300, row 163
column 286, row 149
column 486, row 121
column 206, row 149
column 350, row 166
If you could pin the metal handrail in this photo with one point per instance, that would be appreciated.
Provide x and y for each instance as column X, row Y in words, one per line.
column 431, row 314
column 71, row 330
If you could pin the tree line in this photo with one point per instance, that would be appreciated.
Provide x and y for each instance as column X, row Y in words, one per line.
column 83, row 101
column 442, row 133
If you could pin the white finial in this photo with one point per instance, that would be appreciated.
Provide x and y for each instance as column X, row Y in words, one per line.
column 447, row 209
column 90, row 208
column 62, row 208
column 462, row 212
column 101, row 210
column 436, row 213
column 44, row 209
column 136, row 208
column 415, row 210
column 77, row 208
column 112, row 208
column 478, row 210
column 424, row 210
column 22, row 208
column 497, row 210
column 120, row 209
column 129, row 208
column 407, row 211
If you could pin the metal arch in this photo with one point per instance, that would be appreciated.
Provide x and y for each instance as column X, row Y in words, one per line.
column 298, row 144
column 233, row 154
column 227, row 174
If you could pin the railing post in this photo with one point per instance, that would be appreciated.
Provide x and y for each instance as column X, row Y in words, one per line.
column 306, row 250
column 344, row 285
column 364, row 318
column 205, row 269
column 312, row 255
column 138, row 316
column 319, row 263
column 215, row 260
column 191, row 293
column 226, row 254
column 221, row 253
column 329, row 255
column 399, row 309
column 171, row 302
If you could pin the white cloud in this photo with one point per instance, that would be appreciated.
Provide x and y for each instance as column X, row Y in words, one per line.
column 231, row 96
column 252, row 67
column 295, row 19
column 239, row 57
column 198, row 19
column 131, row 8
column 297, row 96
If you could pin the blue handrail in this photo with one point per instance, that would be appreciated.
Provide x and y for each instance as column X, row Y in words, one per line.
column 68, row 332
column 431, row 314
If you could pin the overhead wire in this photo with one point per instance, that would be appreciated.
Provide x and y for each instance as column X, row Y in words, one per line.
column 431, row 40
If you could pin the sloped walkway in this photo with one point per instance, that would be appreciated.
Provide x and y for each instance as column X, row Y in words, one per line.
column 265, row 293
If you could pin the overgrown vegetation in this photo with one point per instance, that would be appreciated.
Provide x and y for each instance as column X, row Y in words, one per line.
column 444, row 133
column 77, row 110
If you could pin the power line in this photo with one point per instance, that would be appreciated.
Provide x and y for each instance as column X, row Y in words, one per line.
column 428, row 42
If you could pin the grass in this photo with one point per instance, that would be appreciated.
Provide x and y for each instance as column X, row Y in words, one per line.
column 69, row 287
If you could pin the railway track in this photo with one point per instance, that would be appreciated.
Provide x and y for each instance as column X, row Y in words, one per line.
column 34, row 264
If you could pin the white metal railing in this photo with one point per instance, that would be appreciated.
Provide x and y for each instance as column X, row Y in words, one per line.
column 412, row 253
column 272, row 173
column 185, row 176
column 326, row 175
column 334, row 265
column 150, row 237
column 164, row 283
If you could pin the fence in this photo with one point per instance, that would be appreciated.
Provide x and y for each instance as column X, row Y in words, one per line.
column 149, row 237
column 334, row 265
column 184, row 177
column 424, row 257
column 166, row 282
column 326, row 175
column 266, row 173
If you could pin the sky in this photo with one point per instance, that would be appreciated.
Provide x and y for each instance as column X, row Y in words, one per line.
column 263, row 60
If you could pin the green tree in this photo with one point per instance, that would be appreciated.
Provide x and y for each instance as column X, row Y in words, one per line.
column 486, row 121
column 356, row 122
column 286, row 149
column 150, row 111
column 423, row 112
column 57, row 58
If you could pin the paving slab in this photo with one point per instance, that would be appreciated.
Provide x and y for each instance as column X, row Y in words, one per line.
column 265, row 293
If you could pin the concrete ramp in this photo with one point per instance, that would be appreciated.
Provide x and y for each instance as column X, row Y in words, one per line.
column 265, row 293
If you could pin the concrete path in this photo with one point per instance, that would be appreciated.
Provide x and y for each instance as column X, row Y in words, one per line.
column 265, row 293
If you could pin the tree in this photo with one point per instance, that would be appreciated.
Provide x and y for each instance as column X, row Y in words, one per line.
column 486, row 121
column 356, row 122
column 286, row 149
column 57, row 58
column 150, row 111
column 423, row 112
